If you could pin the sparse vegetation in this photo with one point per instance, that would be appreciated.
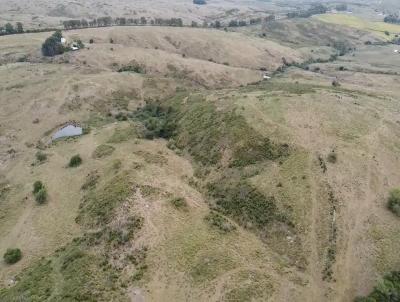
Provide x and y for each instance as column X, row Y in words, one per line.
column 394, row 201
column 99, row 203
column 179, row 203
column 12, row 256
column 243, row 202
column 103, row 151
column 220, row 222
column 75, row 161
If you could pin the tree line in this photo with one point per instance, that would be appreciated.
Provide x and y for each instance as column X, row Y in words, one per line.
column 393, row 18
column 18, row 28
column 9, row 29
column 178, row 22
column 315, row 9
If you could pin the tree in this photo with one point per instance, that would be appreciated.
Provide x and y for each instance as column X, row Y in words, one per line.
column 52, row 46
column 233, row 23
column 143, row 21
column 12, row 256
column 217, row 24
column 270, row 18
column 20, row 28
column 341, row 7
column 9, row 28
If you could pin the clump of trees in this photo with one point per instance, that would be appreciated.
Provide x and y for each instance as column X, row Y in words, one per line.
column 120, row 21
column 393, row 18
column 315, row 9
column 200, row 2
column 12, row 256
column 53, row 46
column 9, row 29
column 341, row 7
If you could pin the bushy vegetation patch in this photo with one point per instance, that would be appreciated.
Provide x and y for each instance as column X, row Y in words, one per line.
column 12, row 256
column 132, row 67
column 36, row 284
column 219, row 138
column 207, row 133
column 244, row 203
column 123, row 134
column 394, row 201
column 41, row 156
column 75, row 161
column 388, row 290
column 91, row 180
column 98, row 205
column 39, row 192
column 219, row 222
column 332, row 157
column 179, row 203
column 103, row 151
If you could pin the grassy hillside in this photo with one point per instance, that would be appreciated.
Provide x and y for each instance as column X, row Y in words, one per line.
column 198, row 181
column 377, row 28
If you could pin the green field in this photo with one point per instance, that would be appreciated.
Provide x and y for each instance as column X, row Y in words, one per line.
column 377, row 28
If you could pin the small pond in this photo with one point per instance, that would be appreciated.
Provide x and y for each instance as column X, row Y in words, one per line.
column 68, row 131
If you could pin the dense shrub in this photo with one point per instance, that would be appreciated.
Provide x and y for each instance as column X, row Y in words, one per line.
column 220, row 222
column 394, row 201
column 12, row 256
column 40, row 156
column 243, row 202
column 332, row 157
column 41, row 195
column 388, row 290
column 52, row 46
column 75, row 161
column 37, row 186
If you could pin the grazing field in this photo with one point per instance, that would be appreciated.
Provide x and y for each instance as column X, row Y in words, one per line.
column 194, row 178
column 377, row 28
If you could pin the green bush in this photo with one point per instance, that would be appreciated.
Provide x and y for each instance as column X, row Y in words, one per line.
column 40, row 156
column 75, row 161
column 394, row 201
column 12, row 256
column 41, row 195
column 388, row 290
column 332, row 157
column 37, row 186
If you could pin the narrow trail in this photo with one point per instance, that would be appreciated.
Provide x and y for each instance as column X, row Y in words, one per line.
column 317, row 286
column 357, row 213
